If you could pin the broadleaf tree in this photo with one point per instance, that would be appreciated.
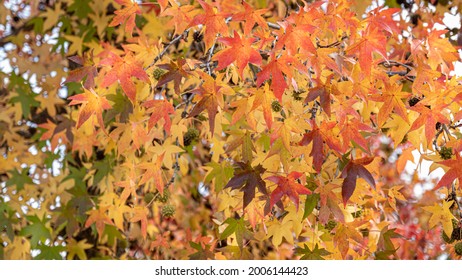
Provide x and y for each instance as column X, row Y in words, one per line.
column 234, row 129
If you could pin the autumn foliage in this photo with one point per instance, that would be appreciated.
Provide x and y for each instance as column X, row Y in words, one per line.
column 229, row 130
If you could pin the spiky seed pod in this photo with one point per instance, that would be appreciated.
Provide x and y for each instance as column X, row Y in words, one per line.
column 190, row 135
column 331, row 225
column 445, row 152
column 458, row 248
column 164, row 198
column 276, row 106
column 148, row 197
column 157, row 73
column 168, row 211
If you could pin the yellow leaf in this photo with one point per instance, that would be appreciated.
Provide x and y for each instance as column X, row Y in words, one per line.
column 441, row 214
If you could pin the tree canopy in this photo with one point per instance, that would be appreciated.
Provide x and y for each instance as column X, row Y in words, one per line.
column 230, row 129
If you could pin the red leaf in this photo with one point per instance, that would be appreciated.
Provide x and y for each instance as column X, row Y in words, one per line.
column 251, row 16
column 318, row 136
column 246, row 180
column 93, row 104
column 240, row 51
column 127, row 15
column 122, row 70
column 214, row 23
column 160, row 109
column 351, row 172
column 275, row 70
column 287, row 186
column 88, row 70
column 454, row 172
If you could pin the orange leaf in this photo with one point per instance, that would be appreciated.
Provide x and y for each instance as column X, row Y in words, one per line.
column 153, row 171
column 93, row 104
column 213, row 22
column 122, row 70
column 287, row 186
column 98, row 217
column 240, row 51
column 127, row 15
column 454, row 172
column 251, row 16
column 160, row 109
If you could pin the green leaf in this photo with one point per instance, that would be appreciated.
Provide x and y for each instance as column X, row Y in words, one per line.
column 7, row 219
column 221, row 172
column 19, row 179
column 310, row 203
column 50, row 252
column 202, row 253
column 37, row 230
column 102, row 168
column 315, row 254
column 239, row 228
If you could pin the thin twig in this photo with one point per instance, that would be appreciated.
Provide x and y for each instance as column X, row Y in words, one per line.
column 273, row 25
column 334, row 44
column 164, row 51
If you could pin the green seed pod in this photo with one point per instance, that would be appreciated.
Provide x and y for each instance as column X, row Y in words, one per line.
column 148, row 197
column 330, row 225
column 445, row 153
column 168, row 211
column 458, row 248
column 276, row 106
column 157, row 73
column 191, row 135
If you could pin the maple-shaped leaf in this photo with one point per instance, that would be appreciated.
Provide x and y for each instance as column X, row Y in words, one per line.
column 429, row 118
column 176, row 71
column 275, row 70
column 126, row 14
column 140, row 214
column 315, row 254
column 251, row 16
column 392, row 98
column 92, row 104
column 153, row 171
column 100, row 218
column 87, row 69
column 382, row 19
column 246, row 179
column 351, row 133
column 240, row 51
column 77, row 248
column 353, row 170
column 440, row 51
column 122, row 70
column 214, row 23
column 372, row 40
column 263, row 98
column 295, row 38
column 181, row 16
column 239, row 228
column 441, row 214
column 324, row 97
column 454, row 172
column 160, row 109
column 287, row 186
column 319, row 135
column 37, row 230
column 210, row 97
